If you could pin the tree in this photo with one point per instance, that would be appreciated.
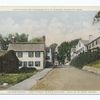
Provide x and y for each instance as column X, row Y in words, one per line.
column 36, row 40
column 18, row 37
column 4, row 42
column 96, row 17
column 53, row 47
column 74, row 42
column 64, row 51
column 21, row 37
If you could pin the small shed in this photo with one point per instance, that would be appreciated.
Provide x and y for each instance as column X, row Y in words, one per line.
column 9, row 63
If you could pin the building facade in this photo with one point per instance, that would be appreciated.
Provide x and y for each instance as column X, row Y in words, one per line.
column 94, row 44
column 49, row 54
column 31, row 55
column 79, row 48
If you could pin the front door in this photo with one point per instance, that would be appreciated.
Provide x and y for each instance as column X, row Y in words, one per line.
column 25, row 64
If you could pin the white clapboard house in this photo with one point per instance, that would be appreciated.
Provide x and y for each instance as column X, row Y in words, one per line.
column 30, row 55
column 79, row 48
column 94, row 44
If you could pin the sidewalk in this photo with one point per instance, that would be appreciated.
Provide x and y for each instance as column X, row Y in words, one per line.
column 92, row 69
column 28, row 83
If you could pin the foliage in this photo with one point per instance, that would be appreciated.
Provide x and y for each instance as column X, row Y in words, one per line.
column 27, row 70
column 4, row 41
column 85, row 58
column 53, row 47
column 21, row 37
column 95, row 64
column 48, row 64
column 64, row 50
column 14, row 78
column 9, row 62
column 36, row 40
column 73, row 43
column 97, row 17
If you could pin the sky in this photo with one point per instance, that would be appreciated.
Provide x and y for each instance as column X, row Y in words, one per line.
column 57, row 26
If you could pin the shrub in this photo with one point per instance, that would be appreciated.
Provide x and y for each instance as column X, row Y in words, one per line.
column 85, row 58
column 27, row 70
column 48, row 64
column 9, row 63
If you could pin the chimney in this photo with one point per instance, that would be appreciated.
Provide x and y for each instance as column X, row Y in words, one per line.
column 90, row 37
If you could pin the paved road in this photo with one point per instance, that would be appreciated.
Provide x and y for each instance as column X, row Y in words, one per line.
column 68, row 78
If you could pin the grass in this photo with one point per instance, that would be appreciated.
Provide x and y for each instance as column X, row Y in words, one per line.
column 95, row 64
column 13, row 78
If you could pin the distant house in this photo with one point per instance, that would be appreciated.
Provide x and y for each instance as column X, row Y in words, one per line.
column 56, row 62
column 48, row 54
column 79, row 48
column 94, row 44
column 31, row 55
column 8, row 61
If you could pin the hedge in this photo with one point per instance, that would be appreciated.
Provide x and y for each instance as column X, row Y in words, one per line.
column 85, row 58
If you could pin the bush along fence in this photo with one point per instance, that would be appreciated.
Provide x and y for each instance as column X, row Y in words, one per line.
column 85, row 58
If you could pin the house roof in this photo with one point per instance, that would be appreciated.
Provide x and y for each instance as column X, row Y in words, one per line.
column 27, row 47
column 85, row 42
column 94, row 40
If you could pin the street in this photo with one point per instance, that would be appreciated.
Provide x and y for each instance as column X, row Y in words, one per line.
column 68, row 78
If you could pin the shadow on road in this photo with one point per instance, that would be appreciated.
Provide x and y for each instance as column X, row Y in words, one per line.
column 61, row 66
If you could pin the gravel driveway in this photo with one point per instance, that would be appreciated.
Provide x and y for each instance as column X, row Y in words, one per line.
column 68, row 78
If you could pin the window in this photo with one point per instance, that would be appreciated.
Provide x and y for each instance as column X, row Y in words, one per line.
column 25, row 64
column 37, row 54
column 30, row 63
column 20, row 54
column 93, row 44
column 37, row 63
column 20, row 63
column 89, row 46
column 30, row 54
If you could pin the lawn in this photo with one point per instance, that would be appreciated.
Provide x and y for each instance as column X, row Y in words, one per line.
column 13, row 78
column 95, row 64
